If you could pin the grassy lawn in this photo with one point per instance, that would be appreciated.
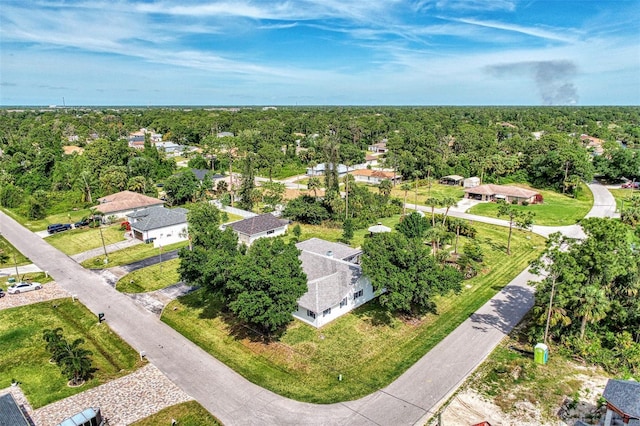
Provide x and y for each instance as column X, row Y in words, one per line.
column 186, row 414
column 130, row 254
column 437, row 190
column 368, row 347
column 23, row 356
column 71, row 216
column 10, row 251
column 151, row 278
column 556, row 210
column 78, row 240
column 623, row 194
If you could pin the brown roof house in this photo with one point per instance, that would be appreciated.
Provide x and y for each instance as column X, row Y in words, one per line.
column 120, row 204
column 623, row 402
column 335, row 284
column 264, row 225
column 510, row 194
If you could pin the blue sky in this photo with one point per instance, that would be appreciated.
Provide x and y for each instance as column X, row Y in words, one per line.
column 320, row 52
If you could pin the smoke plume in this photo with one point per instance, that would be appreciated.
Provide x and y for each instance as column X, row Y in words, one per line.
column 553, row 78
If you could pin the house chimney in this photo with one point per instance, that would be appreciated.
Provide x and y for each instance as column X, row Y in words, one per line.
column 329, row 253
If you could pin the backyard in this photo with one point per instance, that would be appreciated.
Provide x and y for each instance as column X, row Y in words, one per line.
column 79, row 240
column 369, row 348
column 24, row 358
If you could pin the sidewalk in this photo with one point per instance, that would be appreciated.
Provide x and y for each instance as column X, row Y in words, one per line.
column 81, row 257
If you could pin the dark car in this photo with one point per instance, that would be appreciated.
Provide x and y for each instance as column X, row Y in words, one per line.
column 58, row 227
column 82, row 223
column 1, row 292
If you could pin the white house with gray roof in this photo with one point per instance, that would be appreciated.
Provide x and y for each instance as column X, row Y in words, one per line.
column 334, row 280
column 159, row 225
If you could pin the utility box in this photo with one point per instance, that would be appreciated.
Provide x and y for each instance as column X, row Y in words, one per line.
column 541, row 354
column 11, row 280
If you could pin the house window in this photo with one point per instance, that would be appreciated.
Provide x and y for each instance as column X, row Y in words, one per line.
column 358, row 293
column 271, row 232
column 326, row 312
column 311, row 314
column 343, row 302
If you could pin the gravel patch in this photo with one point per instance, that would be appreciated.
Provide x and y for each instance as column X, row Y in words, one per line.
column 155, row 301
column 49, row 291
column 122, row 401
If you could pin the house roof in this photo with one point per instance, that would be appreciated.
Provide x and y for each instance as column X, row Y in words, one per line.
column 322, row 247
column 126, row 200
column 379, row 228
column 257, row 224
column 624, row 395
column 329, row 280
column 322, row 166
column 10, row 412
column 201, row 173
column 453, row 177
column 375, row 173
column 157, row 217
column 509, row 191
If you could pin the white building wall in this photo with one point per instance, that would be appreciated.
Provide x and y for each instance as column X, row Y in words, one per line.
column 276, row 232
column 168, row 235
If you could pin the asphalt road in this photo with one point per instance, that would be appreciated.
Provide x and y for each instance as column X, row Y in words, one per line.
column 411, row 399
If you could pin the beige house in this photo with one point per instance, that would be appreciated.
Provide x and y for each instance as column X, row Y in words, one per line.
column 510, row 194
column 122, row 203
column 375, row 176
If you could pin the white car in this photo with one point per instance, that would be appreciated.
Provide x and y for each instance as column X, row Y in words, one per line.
column 21, row 287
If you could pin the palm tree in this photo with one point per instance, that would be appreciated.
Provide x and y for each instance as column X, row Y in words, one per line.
column 314, row 185
column 75, row 362
column 593, row 305
column 436, row 234
column 55, row 341
column 433, row 202
column 406, row 188
column 447, row 202
column 385, row 187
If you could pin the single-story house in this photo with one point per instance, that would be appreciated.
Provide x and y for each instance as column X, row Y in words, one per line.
column 334, row 280
column 170, row 148
column 623, row 402
column 452, row 180
column 264, row 225
column 10, row 412
column 375, row 176
column 471, row 182
column 380, row 147
column 159, row 225
column 201, row 173
column 371, row 160
column 490, row 192
column 122, row 203
column 320, row 168
column 594, row 143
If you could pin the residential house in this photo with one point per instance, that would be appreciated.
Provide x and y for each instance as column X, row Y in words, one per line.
column 490, row 192
column 471, row 182
column 225, row 134
column 264, row 225
column 595, row 144
column 159, row 225
column 170, row 148
column 379, row 148
column 120, row 204
column 201, row 173
column 623, row 402
column 455, row 180
column 375, row 176
column 320, row 168
column 335, row 284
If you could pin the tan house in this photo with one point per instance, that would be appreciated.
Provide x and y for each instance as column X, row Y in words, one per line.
column 375, row 176
column 510, row 194
column 122, row 203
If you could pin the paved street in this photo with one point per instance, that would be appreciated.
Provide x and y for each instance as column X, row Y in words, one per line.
column 409, row 400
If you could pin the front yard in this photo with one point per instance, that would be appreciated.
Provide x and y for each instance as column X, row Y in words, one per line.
column 24, row 358
column 368, row 347
column 79, row 240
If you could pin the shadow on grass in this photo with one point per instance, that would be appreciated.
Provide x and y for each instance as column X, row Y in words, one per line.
column 374, row 314
column 497, row 246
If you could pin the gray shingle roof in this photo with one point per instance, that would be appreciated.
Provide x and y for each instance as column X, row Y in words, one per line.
column 10, row 412
column 318, row 246
column 257, row 224
column 329, row 280
column 624, row 395
column 157, row 217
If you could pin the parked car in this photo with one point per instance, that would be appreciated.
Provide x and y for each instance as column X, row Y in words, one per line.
column 82, row 223
column 634, row 185
column 58, row 227
column 22, row 286
column 1, row 292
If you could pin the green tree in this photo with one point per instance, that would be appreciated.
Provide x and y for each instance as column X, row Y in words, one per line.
column 75, row 361
column 347, row 230
column 519, row 218
column 314, row 184
column 413, row 226
column 266, row 283
column 181, row 188
column 198, row 162
column 406, row 187
column 404, row 275
column 385, row 187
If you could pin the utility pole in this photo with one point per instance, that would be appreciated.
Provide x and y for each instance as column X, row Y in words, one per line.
column 553, row 289
column 106, row 256
column 15, row 262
